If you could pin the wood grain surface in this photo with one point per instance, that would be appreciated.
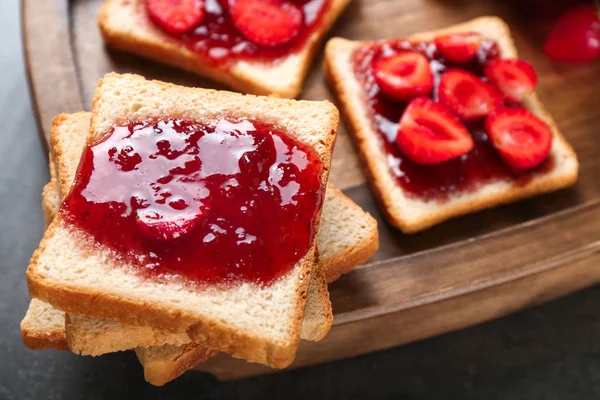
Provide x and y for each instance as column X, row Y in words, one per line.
column 462, row 272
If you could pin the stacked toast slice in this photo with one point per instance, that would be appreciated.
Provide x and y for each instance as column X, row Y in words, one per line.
column 100, row 326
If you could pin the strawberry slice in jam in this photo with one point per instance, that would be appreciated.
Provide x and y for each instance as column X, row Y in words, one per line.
column 522, row 139
column 266, row 22
column 459, row 48
column 212, row 203
column 176, row 16
column 467, row 96
column 514, row 78
column 429, row 134
column 404, row 76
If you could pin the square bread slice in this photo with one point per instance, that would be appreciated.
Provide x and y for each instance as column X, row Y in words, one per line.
column 410, row 214
column 347, row 237
column 125, row 25
column 258, row 324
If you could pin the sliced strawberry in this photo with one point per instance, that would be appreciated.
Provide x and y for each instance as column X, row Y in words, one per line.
column 576, row 36
column 266, row 22
column 514, row 78
column 429, row 133
column 159, row 228
column 176, row 16
column 467, row 96
column 404, row 76
column 522, row 139
column 459, row 48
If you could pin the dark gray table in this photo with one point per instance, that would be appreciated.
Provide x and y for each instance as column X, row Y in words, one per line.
column 550, row 352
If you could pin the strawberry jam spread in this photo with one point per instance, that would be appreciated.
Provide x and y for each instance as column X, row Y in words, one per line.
column 481, row 165
column 214, row 203
column 230, row 30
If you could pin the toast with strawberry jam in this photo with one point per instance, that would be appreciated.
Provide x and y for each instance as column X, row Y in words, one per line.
column 346, row 238
column 447, row 122
column 160, row 157
column 253, row 46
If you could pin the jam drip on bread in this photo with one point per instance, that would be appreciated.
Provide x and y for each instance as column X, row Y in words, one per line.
column 224, row 31
column 457, row 124
column 212, row 203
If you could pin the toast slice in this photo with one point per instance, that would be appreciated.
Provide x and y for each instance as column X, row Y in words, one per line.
column 410, row 214
column 125, row 26
column 339, row 251
column 247, row 321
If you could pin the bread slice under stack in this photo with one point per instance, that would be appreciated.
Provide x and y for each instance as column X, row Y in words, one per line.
column 247, row 321
column 410, row 214
column 125, row 25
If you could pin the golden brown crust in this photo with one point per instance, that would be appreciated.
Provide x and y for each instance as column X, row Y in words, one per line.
column 43, row 327
column 59, row 146
column 35, row 340
column 159, row 370
column 350, row 258
column 378, row 173
column 355, row 257
column 48, row 203
column 148, row 41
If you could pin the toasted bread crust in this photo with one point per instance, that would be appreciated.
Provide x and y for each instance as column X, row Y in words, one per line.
column 72, row 298
column 373, row 158
column 60, row 149
column 318, row 325
column 42, row 340
column 148, row 41
column 48, row 203
column 350, row 258
column 117, row 337
column 43, row 327
column 161, row 369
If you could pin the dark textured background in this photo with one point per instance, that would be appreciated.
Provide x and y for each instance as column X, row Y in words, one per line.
column 550, row 352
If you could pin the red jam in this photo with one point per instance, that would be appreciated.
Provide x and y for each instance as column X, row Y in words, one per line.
column 219, row 40
column 252, row 191
column 480, row 166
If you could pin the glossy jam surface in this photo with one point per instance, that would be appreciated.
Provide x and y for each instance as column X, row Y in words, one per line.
column 218, row 40
column 256, row 190
column 480, row 166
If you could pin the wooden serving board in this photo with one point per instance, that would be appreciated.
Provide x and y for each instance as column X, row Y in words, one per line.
column 460, row 273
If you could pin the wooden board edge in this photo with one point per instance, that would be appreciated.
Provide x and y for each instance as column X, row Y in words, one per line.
column 42, row 20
